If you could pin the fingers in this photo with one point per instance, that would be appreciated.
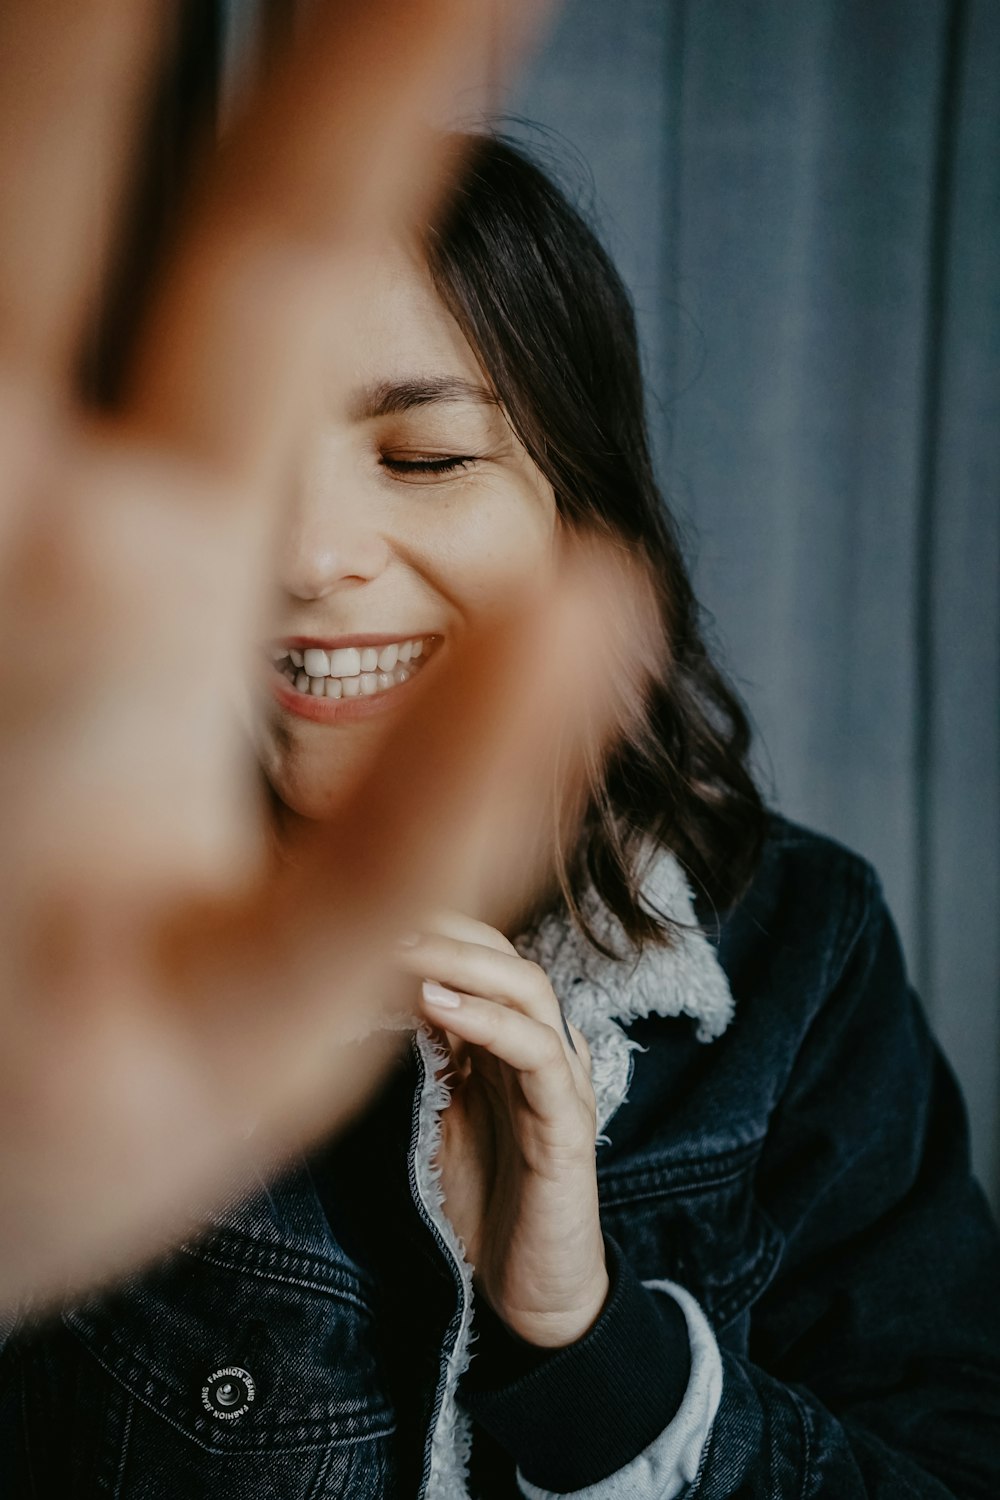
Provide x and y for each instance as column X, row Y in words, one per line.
column 335, row 158
column 134, row 781
column 480, row 970
column 472, row 969
column 466, row 929
column 515, row 1037
column 472, row 981
column 536, row 1052
column 73, row 75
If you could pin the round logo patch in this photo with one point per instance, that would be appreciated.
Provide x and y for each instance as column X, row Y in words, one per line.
column 228, row 1393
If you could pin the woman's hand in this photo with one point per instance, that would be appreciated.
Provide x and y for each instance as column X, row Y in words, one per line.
column 164, row 985
column 518, row 1136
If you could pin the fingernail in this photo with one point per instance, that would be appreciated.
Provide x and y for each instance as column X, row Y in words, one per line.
column 439, row 994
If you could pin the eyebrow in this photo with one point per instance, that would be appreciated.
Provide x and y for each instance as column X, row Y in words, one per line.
column 388, row 397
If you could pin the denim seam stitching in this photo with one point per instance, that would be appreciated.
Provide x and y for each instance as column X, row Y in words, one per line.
column 265, row 1273
column 321, row 1473
column 236, row 1254
column 697, row 1174
column 126, row 1436
column 854, row 916
column 805, row 1424
column 676, row 1190
column 758, row 1276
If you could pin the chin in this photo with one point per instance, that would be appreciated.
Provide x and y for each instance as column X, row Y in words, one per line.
column 318, row 796
column 311, row 773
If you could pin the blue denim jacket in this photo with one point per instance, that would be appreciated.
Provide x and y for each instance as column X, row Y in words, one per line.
column 784, row 1152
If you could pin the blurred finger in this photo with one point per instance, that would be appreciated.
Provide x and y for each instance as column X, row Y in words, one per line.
column 335, row 156
column 74, row 73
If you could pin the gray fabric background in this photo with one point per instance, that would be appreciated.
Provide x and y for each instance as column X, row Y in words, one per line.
column 805, row 201
column 804, row 197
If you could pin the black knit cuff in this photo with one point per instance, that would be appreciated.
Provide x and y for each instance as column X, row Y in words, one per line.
column 572, row 1416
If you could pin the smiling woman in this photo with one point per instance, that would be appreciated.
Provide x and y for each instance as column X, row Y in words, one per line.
column 418, row 513
column 671, row 1194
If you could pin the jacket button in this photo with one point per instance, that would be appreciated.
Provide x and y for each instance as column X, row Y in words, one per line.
column 228, row 1393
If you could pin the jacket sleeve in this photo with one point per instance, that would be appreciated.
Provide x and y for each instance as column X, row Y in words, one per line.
column 570, row 1416
column 874, row 1355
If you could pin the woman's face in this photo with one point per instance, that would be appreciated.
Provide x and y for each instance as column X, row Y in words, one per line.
column 418, row 511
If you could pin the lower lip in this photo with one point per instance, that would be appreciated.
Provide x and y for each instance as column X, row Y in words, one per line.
column 338, row 710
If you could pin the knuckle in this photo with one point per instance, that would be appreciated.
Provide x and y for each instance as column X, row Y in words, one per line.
column 540, row 985
column 551, row 1047
column 581, row 1056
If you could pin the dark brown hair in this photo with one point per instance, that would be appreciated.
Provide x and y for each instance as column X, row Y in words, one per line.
column 546, row 312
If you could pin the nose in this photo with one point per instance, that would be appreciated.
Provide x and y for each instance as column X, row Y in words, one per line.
column 332, row 541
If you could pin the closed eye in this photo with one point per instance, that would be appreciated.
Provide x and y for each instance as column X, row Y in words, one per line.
column 445, row 465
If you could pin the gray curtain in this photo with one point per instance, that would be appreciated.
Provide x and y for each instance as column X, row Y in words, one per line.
column 805, row 201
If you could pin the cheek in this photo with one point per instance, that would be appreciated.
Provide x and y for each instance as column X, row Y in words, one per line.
column 476, row 547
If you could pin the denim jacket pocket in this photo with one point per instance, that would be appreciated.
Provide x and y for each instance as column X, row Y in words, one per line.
column 696, row 1221
column 241, row 1369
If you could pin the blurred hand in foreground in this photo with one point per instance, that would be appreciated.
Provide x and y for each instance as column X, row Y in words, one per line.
column 167, row 982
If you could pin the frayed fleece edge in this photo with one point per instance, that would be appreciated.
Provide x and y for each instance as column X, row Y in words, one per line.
column 451, row 1443
column 598, row 994
column 683, row 979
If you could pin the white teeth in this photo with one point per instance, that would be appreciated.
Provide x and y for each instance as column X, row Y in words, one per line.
column 345, row 662
column 316, row 662
column 349, row 671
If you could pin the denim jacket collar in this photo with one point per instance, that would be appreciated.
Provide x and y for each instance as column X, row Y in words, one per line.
column 598, row 994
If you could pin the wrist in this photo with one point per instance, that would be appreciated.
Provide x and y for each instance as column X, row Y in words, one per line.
column 570, row 1417
column 556, row 1327
column 562, row 1332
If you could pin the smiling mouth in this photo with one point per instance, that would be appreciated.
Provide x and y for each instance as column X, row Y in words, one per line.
column 352, row 671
